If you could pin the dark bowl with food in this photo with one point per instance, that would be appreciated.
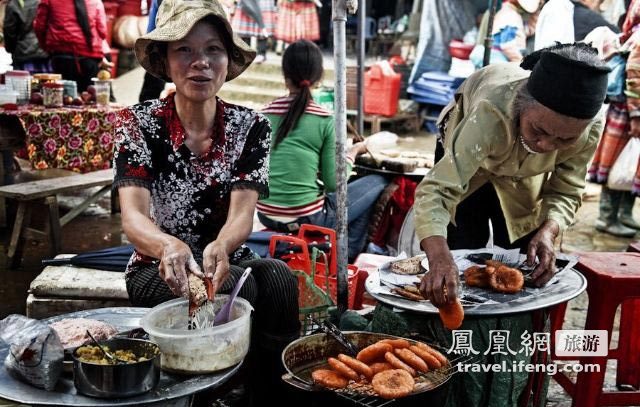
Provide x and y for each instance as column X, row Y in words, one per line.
column 137, row 371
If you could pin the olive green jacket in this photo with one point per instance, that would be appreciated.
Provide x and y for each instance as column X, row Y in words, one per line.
column 482, row 145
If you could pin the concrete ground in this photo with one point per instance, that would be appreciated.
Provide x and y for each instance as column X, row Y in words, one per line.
column 97, row 229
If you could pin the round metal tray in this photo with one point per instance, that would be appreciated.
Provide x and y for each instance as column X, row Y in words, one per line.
column 569, row 285
column 170, row 387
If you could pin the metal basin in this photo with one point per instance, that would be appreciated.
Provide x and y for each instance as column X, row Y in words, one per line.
column 122, row 380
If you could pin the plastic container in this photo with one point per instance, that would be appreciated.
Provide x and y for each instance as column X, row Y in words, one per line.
column 7, row 95
column 52, row 94
column 70, row 88
column 201, row 350
column 103, row 90
column 20, row 81
column 381, row 89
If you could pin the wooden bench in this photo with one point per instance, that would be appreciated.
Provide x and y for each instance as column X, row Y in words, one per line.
column 63, row 289
column 30, row 194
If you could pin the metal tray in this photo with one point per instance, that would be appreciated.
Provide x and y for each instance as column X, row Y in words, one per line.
column 569, row 284
column 170, row 387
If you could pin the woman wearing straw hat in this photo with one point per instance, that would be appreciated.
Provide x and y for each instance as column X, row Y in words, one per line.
column 189, row 169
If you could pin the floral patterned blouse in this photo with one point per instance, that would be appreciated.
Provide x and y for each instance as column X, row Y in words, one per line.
column 190, row 194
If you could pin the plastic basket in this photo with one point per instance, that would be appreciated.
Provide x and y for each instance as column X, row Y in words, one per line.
column 330, row 284
column 312, row 301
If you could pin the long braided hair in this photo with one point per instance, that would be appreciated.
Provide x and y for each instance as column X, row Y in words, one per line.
column 302, row 66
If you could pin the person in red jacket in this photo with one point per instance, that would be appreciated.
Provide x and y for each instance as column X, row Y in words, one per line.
column 72, row 33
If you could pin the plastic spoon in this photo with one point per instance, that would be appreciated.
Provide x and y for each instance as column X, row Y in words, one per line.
column 222, row 317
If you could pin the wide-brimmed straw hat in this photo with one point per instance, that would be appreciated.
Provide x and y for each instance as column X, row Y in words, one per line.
column 174, row 20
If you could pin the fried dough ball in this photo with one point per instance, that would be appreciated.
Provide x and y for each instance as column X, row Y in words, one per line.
column 452, row 314
column 412, row 359
column 397, row 343
column 374, row 352
column 506, row 280
column 380, row 367
column 476, row 276
column 441, row 358
column 393, row 384
column 343, row 369
column 329, row 379
column 427, row 356
column 356, row 365
column 399, row 364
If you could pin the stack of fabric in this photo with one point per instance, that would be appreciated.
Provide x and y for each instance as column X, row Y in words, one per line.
column 435, row 88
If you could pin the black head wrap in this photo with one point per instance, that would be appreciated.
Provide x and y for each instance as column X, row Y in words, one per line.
column 566, row 86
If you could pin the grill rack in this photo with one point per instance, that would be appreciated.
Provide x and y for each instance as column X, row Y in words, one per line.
column 375, row 401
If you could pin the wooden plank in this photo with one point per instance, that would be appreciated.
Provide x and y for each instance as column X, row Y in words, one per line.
column 43, row 188
column 68, row 217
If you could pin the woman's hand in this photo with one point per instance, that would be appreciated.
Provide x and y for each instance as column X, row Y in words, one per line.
column 443, row 272
column 542, row 247
column 176, row 261
column 634, row 127
column 215, row 262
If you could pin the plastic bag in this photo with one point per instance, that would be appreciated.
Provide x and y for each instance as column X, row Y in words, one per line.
column 35, row 352
column 624, row 169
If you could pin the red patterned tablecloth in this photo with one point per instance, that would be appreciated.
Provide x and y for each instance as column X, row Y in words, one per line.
column 73, row 138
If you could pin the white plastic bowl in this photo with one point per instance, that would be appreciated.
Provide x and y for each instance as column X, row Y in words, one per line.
column 201, row 350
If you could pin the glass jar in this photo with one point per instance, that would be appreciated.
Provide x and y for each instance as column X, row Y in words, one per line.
column 20, row 81
column 41, row 78
column 103, row 91
column 53, row 94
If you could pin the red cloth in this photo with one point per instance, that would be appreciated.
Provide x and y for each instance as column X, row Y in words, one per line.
column 395, row 212
column 58, row 30
column 296, row 21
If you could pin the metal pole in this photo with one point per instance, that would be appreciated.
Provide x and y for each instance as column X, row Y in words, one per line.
column 362, row 20
column 488, row 40
column 340, row 107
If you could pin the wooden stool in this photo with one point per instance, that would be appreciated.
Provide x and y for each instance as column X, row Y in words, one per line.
column 613, row 279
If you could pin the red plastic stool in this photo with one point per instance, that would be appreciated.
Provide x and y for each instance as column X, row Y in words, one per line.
column 612, row 279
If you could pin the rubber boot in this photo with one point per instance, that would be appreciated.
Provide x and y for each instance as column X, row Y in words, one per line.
column 608, row 220
column 625, row 215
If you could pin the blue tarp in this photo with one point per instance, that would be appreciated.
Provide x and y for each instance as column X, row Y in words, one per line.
column 435, row 88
